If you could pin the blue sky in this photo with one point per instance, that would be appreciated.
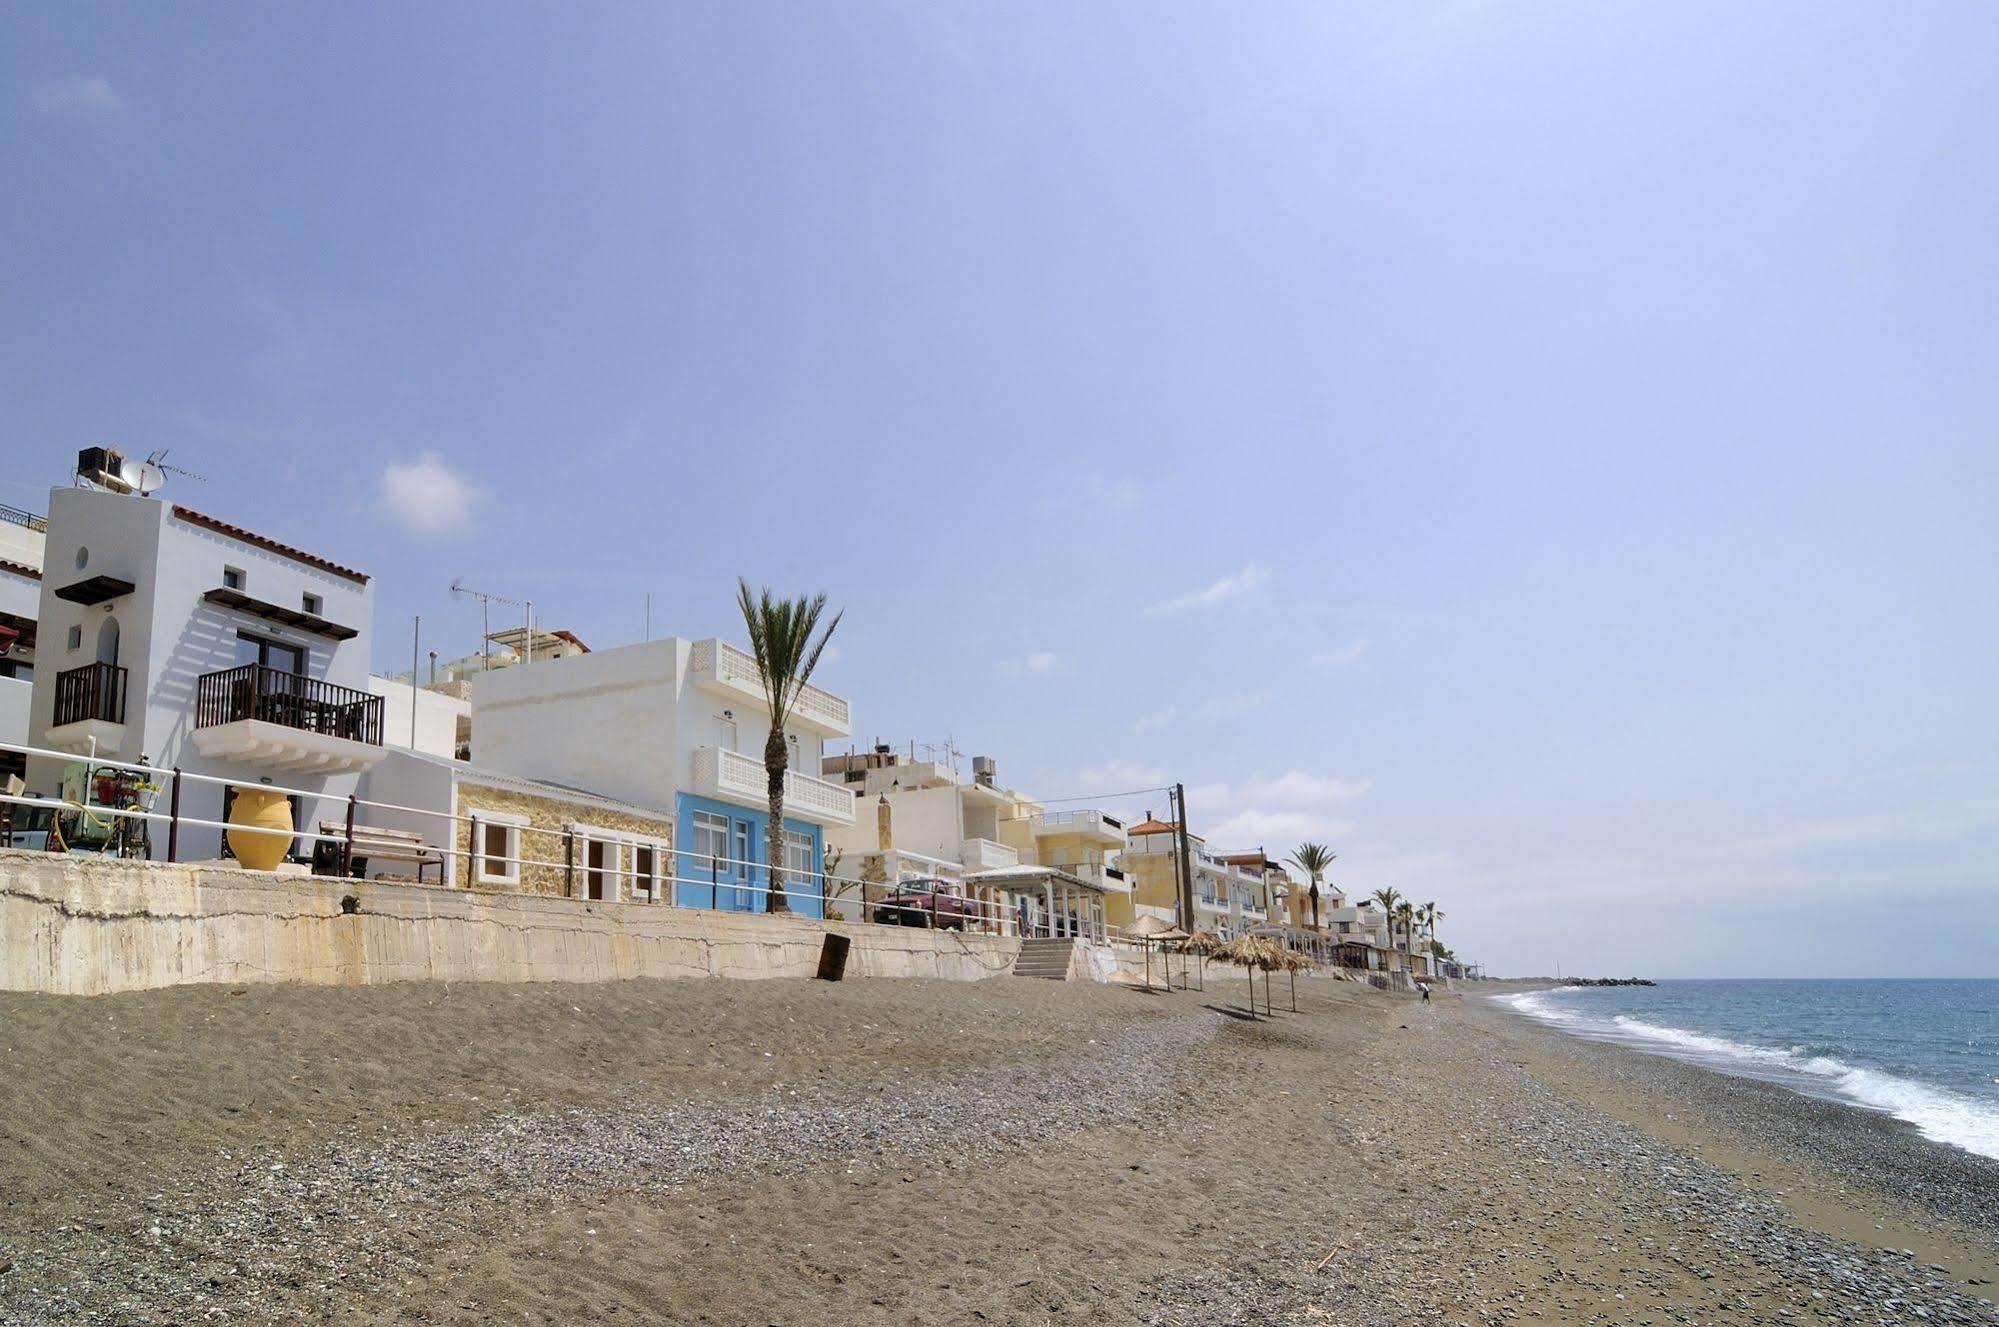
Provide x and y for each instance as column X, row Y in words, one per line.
column 1547, row 451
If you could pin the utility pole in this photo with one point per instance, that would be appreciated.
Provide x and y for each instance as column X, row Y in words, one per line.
column 416, row 653
column 1186, row 862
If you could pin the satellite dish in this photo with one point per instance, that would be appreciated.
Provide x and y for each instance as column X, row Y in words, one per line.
column 142, row 477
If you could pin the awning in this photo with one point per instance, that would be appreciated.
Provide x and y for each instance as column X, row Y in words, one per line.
column 291, row 617
column 94, row 590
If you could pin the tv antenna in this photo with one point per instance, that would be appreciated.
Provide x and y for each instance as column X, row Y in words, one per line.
column 486, row 602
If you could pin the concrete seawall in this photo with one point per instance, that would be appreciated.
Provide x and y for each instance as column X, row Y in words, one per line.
column 87, row 926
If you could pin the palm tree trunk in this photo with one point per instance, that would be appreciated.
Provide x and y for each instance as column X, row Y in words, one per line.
column 776, row 758
column 1315, row 903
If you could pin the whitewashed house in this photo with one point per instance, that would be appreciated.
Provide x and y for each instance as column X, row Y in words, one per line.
column 173, row 638
column 681, row 724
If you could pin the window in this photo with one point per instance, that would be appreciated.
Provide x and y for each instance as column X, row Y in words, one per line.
column 270, row 653
column 75, row 641
column 232, row 578
column 312, row 604
column 742, row 862
column 600, row 869
column 798, row 862
column 648, row 869
column 711, row 842
column 725, row 728
column 82, row 557
column 18, row 669
column 499, row 838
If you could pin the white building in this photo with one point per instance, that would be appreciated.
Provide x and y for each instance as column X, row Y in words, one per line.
column 21, row 547
column 680, row 724
column 169, row 637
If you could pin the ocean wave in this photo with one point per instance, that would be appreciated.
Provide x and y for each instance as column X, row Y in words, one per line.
column 1939, row 1114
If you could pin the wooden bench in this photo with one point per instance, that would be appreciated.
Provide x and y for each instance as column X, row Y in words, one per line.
column 375, row 844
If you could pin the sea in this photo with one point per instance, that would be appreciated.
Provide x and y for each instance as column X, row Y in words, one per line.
column 1923, row 1051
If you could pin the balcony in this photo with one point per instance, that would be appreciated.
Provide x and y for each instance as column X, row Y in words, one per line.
column 718, row 666
column 734, row 777
column 1093, row 826
column 1107, row 878
column 270, row 719
column 90, row 709
column 985, row 855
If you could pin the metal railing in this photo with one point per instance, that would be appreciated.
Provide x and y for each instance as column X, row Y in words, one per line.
column 15, row 516
column 290, row 700
column 731, row 884
column 94, row 691
column 1082, row 820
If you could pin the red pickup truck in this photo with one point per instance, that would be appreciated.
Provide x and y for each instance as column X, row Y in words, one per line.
column 925, row 901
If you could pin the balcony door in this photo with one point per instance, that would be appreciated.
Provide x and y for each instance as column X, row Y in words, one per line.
column 274, row 654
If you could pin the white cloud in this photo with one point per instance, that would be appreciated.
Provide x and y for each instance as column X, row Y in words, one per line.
column 1297, row 788
column 1342, row 654
column 1228, row 587
column 1146, row 723
column 1117, row 775
column 427, row 495
column 1038, row 663
column 1237, row 703
column 76, row 95
column 1275, row 831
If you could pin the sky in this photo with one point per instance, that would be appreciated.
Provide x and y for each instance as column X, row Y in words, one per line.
column 1547, row 452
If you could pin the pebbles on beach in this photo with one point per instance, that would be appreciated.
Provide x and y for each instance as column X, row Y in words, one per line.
column 1119, row 1158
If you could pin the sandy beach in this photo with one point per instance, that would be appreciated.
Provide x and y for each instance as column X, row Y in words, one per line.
column 921, row 1152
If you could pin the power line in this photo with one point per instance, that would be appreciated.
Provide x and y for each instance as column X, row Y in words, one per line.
column 1102, row 797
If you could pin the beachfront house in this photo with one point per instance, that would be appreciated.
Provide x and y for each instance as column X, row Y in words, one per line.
column 22, row 537
column 171, row 637
column 511, row 834
column 995, row 845
column 677, row 724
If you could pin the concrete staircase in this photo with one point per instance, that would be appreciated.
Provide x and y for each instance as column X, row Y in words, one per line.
column 1043, row 957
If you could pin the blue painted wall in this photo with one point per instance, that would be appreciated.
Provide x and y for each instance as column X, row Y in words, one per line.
column 691, row 887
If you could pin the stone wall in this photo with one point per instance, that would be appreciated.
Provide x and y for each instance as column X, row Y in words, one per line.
column 553, row 816
column 88, row 926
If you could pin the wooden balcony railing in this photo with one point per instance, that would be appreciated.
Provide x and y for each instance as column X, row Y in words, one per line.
column 94, row 691
column 290, row 700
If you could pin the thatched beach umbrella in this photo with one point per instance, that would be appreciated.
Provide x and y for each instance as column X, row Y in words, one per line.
column 1202, row 944
column 1251, row 953
column 1149, row 931
column 1296, row 961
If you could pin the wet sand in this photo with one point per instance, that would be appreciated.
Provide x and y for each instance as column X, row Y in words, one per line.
column 922, row 1152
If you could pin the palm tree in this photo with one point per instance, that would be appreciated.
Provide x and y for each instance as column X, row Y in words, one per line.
column 1313, row 859
column 781, row 638
column 1405, row 913
column 1390, row 899
column 1431, row 916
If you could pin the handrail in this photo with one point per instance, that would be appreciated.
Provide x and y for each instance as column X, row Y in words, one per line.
column 16, row 516
column 290, row 700
column 92, row 691
column 744, row 874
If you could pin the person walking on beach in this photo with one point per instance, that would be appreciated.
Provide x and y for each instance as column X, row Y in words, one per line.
column 1425, row 988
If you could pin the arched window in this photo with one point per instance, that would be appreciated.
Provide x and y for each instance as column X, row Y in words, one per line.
column 107, row 641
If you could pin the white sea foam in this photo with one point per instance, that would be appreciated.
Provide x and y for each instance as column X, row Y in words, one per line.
column 1938, row 1113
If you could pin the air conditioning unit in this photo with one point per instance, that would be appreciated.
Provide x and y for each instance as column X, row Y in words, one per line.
column 984, row 770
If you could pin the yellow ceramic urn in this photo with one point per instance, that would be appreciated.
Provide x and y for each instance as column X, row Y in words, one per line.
column 264, row 808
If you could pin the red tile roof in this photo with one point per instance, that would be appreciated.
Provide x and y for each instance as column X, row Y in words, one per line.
column 268, row 544
column 21, row 569
column 1152, row 827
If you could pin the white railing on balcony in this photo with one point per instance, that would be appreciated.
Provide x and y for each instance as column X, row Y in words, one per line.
column 1078, row 822
column 730, row 774
column 722, row 663
column 986, row 855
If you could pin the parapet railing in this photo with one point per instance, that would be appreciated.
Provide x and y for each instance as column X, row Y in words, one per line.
column 739, row 880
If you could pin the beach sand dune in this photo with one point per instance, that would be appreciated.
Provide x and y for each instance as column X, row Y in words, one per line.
column 922, row 1152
